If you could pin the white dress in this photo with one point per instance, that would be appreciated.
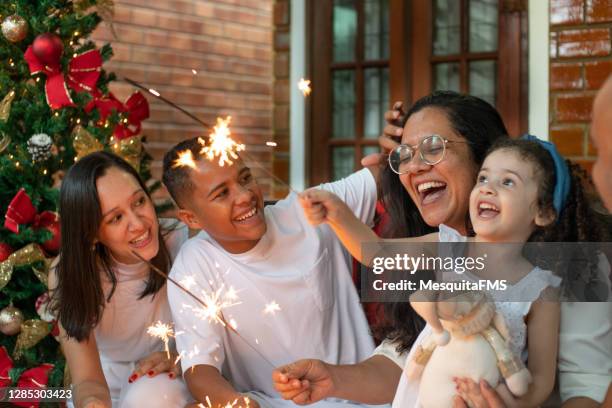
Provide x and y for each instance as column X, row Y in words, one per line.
column 122, row 339
column 528, row 288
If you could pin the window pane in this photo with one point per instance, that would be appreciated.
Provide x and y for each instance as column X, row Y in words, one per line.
column 483, row 25
column 446, row 77
column 376, row 28
column 343, row 104
column 483, row 80
column 343, row 160
column 370, row 149
column 376, row 100
column 345, row 30
column 447, row 33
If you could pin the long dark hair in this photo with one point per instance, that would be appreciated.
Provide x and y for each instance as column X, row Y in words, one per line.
column 480, row 125
column 78, row 298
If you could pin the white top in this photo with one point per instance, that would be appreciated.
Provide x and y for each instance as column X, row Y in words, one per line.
column 304, row 269
column 528, row 288
column 121, row 334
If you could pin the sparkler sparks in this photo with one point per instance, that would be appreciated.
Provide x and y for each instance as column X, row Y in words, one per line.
column 304, row 86
column 162, row 331
column 185, row 158
column 216, row 302
column 221, row 145
column 272, row 307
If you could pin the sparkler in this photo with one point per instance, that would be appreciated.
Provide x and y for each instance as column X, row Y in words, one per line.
column 272, row 307
column 304, row 86
column 163, row 331
column 210, row 307
column 185, row 158
column 220, row 144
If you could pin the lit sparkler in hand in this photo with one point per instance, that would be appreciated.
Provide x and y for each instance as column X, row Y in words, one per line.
column 304, row 86
column 220, row 143
column 162, row 331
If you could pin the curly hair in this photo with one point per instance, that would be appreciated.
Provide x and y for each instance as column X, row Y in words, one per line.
column 480, row 125
column 578, row 220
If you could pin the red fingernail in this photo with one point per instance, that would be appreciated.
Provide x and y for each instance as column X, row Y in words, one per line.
column 171, row 375
column 133, row 378
column 150, row 373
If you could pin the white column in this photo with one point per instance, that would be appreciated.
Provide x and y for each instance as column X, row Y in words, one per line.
column 538, row 68
column 297, row 126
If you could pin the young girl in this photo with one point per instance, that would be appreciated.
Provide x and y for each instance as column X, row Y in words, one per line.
column 522, row 190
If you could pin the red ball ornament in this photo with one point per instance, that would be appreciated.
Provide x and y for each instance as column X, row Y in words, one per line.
column 5, row 251
column 51, row 222
column 48, row 48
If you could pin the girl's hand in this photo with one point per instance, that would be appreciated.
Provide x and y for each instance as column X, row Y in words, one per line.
column 478, row 395
column 322, row 206
column 304, row 382
column 156, row 363
column 392, row 135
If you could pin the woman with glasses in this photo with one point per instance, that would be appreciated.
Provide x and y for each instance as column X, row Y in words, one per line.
column 427, row 182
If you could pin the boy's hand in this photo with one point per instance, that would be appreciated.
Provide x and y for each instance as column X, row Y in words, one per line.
column 156, row 363
column 93, row 402
column 391, row 137
column 252, row 404
column 304, row 381
column 321, row 206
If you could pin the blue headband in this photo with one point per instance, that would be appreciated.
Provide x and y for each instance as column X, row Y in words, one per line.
column 562, row 175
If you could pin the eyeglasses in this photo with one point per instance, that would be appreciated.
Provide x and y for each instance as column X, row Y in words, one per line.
column 431, row 151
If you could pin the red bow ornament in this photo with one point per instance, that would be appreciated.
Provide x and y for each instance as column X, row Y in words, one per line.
column 83, row 74
column 21, row 211
column 135, row 110
column 36, row 377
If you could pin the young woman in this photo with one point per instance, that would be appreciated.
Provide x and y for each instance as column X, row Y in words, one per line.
column 105, row 297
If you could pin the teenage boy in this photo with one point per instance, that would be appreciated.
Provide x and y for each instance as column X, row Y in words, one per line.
column 290, row 283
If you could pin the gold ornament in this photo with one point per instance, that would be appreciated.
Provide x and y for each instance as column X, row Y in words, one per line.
column 84, row 142
column 32, row 331
column 129, row 149
column 11, row 319
column 14, row 28
column 25, row 256
column 5, row 105
column 5, row 141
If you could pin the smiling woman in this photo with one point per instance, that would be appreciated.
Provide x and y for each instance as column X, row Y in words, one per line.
column 104, row 296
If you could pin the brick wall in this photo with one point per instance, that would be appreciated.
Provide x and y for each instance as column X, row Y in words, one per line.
column 580, row 61
column 281, row 95
column 228, row 43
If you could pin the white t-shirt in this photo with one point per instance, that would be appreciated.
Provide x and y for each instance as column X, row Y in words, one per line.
column 304, row 269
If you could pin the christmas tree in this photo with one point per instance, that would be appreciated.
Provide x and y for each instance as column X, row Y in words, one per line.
column 55, row 107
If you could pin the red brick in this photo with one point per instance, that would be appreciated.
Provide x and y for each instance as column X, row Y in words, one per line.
column 574, row 108
column 144, row 17
column 281, row 117
column 596, row 73
column 122, row 14
column 204, row 9
column 566, row 11
column 281, row 65
column 281, row 12
column 566, row 76
column 598, row 11
column 553, row 45
column 584, row 43
column 155, row 38
column 129, row 34
column 281, row 91
column 569, row 140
